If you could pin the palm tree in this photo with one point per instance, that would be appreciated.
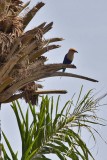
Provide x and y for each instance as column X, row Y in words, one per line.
column 54, row 131
column 22, row 62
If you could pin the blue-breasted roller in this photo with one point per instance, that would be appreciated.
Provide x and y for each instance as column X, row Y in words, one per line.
column 69, row 57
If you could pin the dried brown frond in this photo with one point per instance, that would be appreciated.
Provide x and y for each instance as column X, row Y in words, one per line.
column 11, row 25
column 28, row 17
column 47, row 27
column 40, row 92
column 40, row 52
column 10, row 7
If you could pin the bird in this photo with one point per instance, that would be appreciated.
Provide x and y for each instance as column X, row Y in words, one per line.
column 69, row 57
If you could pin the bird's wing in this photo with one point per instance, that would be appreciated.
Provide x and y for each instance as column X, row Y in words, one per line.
column 66, row 60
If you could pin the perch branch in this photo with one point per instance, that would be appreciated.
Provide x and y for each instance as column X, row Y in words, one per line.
column 42, row 72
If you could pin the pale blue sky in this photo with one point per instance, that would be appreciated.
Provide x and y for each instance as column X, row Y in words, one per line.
column 83, row 25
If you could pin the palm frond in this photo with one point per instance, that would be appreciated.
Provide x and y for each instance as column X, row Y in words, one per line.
column 56, row 132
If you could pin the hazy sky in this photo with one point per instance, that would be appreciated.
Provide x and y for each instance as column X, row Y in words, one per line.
column 83, row 25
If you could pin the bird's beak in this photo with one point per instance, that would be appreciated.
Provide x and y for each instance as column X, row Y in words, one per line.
column 76, row 51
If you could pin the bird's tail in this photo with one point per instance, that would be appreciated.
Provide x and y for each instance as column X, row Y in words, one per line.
column 63, row 69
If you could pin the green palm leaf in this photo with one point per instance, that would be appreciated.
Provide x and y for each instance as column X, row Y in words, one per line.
column 53, row 131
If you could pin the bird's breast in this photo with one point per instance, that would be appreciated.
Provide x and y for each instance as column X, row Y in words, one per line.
column 70, row 56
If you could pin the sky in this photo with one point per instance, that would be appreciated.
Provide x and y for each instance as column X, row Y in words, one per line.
column 83, row 25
